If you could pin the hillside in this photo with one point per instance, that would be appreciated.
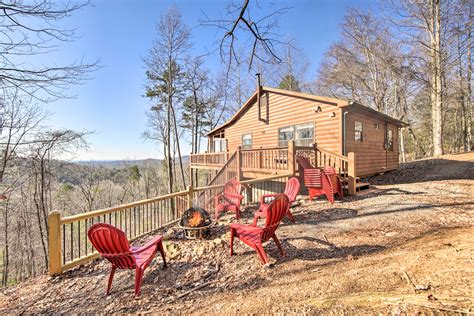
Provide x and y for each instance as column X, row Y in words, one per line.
column 403, row 247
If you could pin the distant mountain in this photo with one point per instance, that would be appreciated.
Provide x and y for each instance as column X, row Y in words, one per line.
column 124, row 163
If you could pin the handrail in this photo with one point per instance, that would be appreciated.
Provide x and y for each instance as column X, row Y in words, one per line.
column 345, row 158
column 264, row 149
column 214, row 153
column 78, row 217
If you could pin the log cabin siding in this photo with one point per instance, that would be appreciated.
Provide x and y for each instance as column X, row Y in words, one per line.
column 371, row 156
column 284, row 110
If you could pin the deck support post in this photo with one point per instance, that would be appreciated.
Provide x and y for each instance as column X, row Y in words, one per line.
column 190, row 196
column 351, row 174
column 239, row 164
column 54, row 243
column 291, row 157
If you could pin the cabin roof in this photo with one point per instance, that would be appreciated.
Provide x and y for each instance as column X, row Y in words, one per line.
column 336, row 102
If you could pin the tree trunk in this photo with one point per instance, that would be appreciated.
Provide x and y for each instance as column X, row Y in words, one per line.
column 6, row 257
column 436, row 101
column 468, row 113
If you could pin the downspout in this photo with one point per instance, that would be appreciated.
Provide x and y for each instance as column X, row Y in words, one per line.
column 344, row 132
column 259, row 94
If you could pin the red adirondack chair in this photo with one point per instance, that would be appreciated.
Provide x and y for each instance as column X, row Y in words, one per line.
column 229, row 199
column 292, row 189
column 254, row 236
column 336, row 184
column 316, row 180
column 113, row 245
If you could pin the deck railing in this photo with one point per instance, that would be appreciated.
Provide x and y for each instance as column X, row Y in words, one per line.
column 210, row 159
column 69, row 245
column 344, row 166
column 270, row 159
column 255, row 162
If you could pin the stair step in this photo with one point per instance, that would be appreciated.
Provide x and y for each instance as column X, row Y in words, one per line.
column 359, row 186
column 344, row 179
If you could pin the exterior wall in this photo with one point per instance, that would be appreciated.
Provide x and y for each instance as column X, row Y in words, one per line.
column 286, row 110
column 371, row 156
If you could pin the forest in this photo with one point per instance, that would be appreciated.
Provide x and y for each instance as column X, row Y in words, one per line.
column 413, row 62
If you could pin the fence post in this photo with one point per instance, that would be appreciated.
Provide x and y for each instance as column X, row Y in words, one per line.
column 190, row 196
column 54, row 243
column 351, row 173
column 239, row 164
column 291, row 157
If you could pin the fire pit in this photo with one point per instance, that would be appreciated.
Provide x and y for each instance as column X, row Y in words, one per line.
column 195, row 223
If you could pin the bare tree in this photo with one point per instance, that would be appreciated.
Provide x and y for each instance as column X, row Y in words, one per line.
column 34, row 28
column 164, row 71
column 248, row 24
column 20, row 119
column 51, row 144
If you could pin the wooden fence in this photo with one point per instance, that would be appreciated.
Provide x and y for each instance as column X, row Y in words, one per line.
column 69, row 245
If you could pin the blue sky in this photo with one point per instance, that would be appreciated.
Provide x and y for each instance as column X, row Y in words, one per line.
column 119, row 34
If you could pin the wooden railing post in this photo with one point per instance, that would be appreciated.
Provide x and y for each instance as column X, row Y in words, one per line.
column 239, row 164
column 315, row 147
column 291, row 157
column 54, row 243
column 190, row 196
column 351, row 173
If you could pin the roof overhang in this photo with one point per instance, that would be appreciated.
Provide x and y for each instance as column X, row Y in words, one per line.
column 336, row 102
column 383, row 116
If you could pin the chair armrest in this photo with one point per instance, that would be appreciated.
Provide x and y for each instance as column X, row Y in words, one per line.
column 256, row 217
column 218, row 197
column 246, row 227
column 153, row 242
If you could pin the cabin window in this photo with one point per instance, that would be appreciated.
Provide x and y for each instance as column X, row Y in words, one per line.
column 220, row 145
column 247, row 141
column 389, row 140
column 285, row 134
column 302, row 134
column 358, row 131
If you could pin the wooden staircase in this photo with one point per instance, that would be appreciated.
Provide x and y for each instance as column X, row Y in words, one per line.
column 228, row 171
column 360, row 186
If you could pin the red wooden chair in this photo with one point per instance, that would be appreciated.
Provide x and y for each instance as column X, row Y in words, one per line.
column 230, row 199
column 254, row 236
column 292, row 189
column 113, row 245
column 316, row 180
column 336, row 184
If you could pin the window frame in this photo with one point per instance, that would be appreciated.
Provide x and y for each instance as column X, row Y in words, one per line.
column 251, row 141
column 294, row 129
column 359, row 133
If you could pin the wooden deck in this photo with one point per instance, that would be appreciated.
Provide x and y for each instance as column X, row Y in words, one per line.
column 258, row 163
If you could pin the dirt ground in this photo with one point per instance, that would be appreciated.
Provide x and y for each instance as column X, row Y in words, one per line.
column 404, row 247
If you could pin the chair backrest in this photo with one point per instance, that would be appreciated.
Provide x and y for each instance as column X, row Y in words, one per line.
column 112, row 244
column 275, row 213
column 312, row 178
column 232, row 188
column 304, row 163
column 329, row 169
column 292, row 189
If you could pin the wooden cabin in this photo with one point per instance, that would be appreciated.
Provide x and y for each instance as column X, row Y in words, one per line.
column 272, row 119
